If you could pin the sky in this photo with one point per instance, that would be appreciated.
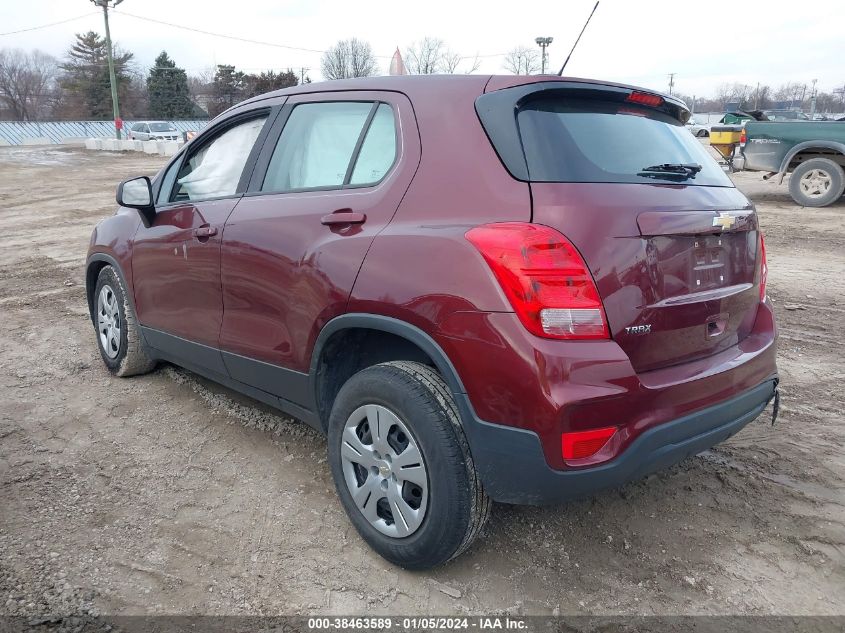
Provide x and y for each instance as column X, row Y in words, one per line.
column 705, row 43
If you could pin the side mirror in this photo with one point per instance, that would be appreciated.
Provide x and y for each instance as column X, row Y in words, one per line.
column 137, row 193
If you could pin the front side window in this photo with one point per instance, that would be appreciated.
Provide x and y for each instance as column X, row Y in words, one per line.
column 316, row 146
column 161, row 127
column 167, row 181
column 215, row 170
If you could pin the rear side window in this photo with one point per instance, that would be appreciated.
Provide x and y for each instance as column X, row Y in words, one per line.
column 586, row 140
column 378, row 150
column 316, row 146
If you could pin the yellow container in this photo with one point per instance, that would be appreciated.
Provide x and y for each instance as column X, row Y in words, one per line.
column 725, row 134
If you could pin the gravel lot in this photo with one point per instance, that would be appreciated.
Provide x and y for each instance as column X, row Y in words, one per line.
column 166, row 494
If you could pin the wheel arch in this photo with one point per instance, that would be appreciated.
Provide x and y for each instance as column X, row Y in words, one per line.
column 823, row 148
column 377, row 339
column 94, row 264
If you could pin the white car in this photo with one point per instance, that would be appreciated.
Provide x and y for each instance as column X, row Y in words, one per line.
column 698, row 129
column 153, row 131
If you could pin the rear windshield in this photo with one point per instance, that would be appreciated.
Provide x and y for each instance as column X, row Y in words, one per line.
column 584, row 140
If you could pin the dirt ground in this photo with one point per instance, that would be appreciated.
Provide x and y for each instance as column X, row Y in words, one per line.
column 166, row 494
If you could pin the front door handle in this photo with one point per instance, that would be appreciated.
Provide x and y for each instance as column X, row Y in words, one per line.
column 204, row 232
column 343, row 216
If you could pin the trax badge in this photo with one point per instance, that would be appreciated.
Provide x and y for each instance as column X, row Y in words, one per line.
column 724, row 220
column 638, row 329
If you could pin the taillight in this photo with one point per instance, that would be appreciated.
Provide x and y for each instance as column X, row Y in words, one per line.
column 764, row 269
column 582, row 444
column 545, row 279
column 743, row 137
column 645, row 98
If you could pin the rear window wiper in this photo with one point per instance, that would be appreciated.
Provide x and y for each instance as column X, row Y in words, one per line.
column 671, row 170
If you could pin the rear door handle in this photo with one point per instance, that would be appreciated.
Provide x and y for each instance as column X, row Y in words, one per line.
column 343, row 216
column 204, row 232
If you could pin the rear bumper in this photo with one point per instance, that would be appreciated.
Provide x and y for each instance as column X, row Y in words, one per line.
column 513, row 469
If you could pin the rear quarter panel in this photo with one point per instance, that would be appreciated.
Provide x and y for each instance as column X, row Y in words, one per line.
column 421, row 268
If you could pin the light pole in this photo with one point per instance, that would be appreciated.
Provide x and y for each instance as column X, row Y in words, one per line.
column 112, row 79
column 543, row 42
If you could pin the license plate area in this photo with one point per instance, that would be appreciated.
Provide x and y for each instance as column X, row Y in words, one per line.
column 708, row 263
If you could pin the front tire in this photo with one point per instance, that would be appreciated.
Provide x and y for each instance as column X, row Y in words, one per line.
column 118, row 337
column 817, row 182
column 402, row 467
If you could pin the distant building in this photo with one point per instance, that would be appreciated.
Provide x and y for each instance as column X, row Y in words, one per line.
column 397, row 66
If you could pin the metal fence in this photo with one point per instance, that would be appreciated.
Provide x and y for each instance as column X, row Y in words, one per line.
column 13, row 132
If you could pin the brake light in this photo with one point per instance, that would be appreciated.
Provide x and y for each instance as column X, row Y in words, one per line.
column 545, row 279
column 764, row 269
column 645, row 98
column 582, row 444
column 742, row 138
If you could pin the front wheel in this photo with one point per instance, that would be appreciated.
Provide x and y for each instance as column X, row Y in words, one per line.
column 402, row 467
column 118, row 338
column 817, row 182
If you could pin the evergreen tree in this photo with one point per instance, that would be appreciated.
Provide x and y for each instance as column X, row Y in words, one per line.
column 227, row 89
column 86, row 76
column 268, row 81
column 167, row 87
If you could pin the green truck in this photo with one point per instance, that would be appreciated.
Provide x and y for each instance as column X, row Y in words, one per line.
column 812, row 151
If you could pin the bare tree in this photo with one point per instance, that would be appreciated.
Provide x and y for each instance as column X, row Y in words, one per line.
column 27, row 81
column 522, row 61
column 349, row 58
column 451, row 61
column 426, row 57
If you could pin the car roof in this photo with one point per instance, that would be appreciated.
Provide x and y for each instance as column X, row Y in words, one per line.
column 418, row 85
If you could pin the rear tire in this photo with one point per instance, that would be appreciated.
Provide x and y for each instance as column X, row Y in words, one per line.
column 817, row 182
column 116, row 327
column 375, row 409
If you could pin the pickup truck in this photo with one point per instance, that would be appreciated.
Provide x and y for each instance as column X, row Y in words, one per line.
column 812, row 151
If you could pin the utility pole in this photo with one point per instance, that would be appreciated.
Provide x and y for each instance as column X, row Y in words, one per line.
column 757, row 96
column 813, row 99
column 112, row 80
column 671, row 82
column 543, row 42
column 302, row 75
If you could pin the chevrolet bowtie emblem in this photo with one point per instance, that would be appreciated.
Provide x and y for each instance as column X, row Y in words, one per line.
column 724, row 220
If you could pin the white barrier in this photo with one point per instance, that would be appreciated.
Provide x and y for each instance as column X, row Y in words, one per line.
column 162, row 148
column 73, row 140
column 36, row 140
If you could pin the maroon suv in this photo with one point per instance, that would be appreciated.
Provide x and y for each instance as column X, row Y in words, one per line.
column 514, row 289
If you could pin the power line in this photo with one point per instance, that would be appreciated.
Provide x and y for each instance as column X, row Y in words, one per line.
column 261, row 42
column 44, row 26
column 222, row 35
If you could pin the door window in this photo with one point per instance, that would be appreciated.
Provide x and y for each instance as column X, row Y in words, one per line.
column 378, row 151
column 316, row 146
column 215, row 170
column 167, row 183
